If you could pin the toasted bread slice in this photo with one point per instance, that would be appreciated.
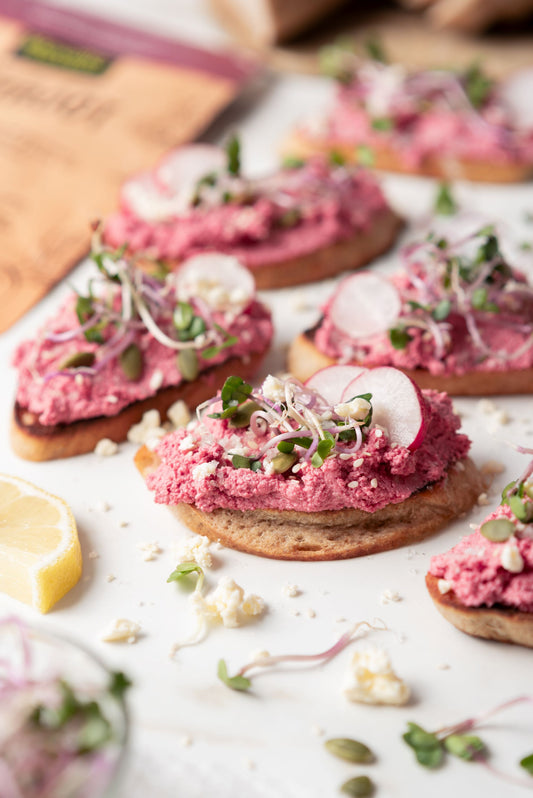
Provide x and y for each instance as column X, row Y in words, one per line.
column 387, row 159
column 34, row 441
column 333, row 534
column 492, row 623
column 304, row 359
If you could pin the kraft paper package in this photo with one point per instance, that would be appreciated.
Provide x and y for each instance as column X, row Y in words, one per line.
column 84, row 103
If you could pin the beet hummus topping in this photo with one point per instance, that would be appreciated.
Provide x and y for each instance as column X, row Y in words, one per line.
column 133, row 333
column 197, row 200
column 456, row 307
column 286, row 447
column 422, row 114
column 494, row 565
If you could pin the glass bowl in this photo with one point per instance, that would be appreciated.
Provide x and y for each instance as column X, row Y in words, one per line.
column 63, row 719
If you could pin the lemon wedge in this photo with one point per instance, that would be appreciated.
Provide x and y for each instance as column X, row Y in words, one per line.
column 40, row 555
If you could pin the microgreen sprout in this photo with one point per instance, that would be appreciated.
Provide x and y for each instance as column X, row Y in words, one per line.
column 233, row 152
column 430, row 748
column 185, row 569
column 445, row 204
column 271, row 661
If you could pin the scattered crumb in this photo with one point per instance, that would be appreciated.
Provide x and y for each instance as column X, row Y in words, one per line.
column 249, row 763
column 317, row 730
column 371, row 679
column 444, row 586
column 443, row 666
column 148, row 430
column 259, row 654
column 102, row 506
column 290, row 591
column 390, row 596
column 149, row 550
column 345, row 456
column 492, row 468
column 373, row 483
column 121, row 630
column 174, row 648
column 106, row 448
column 353, row 484
column 185, row 740
column 310, row 613
column 486, row 406
column 413, row 571
column 112, row 399
column 110, row 578
column 378, row 433
column 483, row 500
column 340, row 620
column 194, row 549
column 294, row 613
column 123, row 524
column 93, row 555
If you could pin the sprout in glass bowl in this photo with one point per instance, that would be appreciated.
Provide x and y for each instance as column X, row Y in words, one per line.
column 63, row 720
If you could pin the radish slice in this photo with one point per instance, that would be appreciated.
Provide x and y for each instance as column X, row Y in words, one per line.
column 398, row 404
column 365, row 304
column 331, row 381
column 220, row 280
column 182, row 169
column 169, row 191
column 516, row 93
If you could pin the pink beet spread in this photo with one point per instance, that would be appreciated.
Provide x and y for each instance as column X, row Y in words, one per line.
column 474, row 571
column 328, row 204
column 65, row 398
column 428, row 115
column 399, row 472
column 506, row 336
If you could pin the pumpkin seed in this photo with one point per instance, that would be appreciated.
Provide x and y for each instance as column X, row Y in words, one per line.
column 131, row 362
column 241, row 418
column 77, row 360
column 497, row 530
column 358, row 787
column 187, row 363
column 283, row 461
column 350, row 750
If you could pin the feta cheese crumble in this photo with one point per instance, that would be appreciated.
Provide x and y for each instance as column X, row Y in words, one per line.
column 511, row 559
column 121, row 630
column 149, row 550
column 179, row 414
column 290, row 591
column 227, row 603
column 388, row 596
column 106, row 448
column 195, row 549
column 148, row 430
column 371, row 679
column 204, row 470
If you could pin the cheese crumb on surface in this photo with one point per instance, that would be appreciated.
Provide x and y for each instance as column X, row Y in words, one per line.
column 273, row 389
column 93, row 555
column 186, row 444
column 227, row 603
column 486, row 406
column 185, row 740
column 511, row 559
column 290, row 591
column 358, row 409
column 156, row 380
column 102, row 506
column 204, row 470
column 121, row 630
column 196, row 549
column 483, row 500
column 148, row 430
column 388, row 596
column 110, row 578
column 371, row 680
column 179, row 414
column 310, row 613
column 492, row 468
column 317, row 730
column 106, row 448
column 444, row 586
column 150, row 550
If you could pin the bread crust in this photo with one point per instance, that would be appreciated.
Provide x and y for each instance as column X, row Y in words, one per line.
column 389, row 160
column 333, row 534
column 34, row 441
column 304, row 359
column 492, row 623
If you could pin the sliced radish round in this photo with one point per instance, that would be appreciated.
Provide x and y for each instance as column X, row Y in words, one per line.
column 331, row 381
column 220, row 280
column 143, row 197
column 397, row 404
column 181, row 169
column 364, row 304
column 516, row 92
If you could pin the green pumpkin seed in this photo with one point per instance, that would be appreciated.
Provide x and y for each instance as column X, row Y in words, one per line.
column 77, row 360
column 131, row 362
column 497, row 530
column 358, row 787
column 241, row 418
column 350, row 750
column 182, row 316
column 283, row 461
column 187, row 363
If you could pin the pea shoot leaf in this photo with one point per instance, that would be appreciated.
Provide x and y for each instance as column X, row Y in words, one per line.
column 238, row 682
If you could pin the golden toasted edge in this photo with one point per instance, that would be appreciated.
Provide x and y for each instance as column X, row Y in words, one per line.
column 38, row 443
column 334, row 534
column 492, row 623
column 385, row 158
column 304, row 359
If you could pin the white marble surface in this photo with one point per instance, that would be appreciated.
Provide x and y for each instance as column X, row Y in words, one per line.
column 265, row 744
